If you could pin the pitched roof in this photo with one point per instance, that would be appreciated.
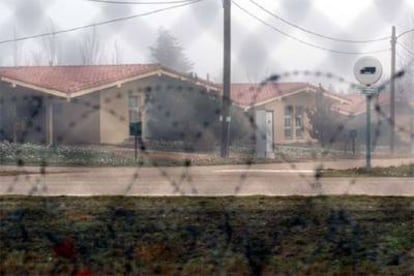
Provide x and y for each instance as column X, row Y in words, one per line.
column 248, row 95
column 81, row 79
column 354, row 106
column 357, row 103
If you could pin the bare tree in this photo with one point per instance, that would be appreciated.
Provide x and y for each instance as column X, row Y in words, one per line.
column 406, row 62
column 37, row 58
column 405, row 85
column 90, row 48
column 117, row 54
column 48, row 54
column 16, row 49
column 50, row 45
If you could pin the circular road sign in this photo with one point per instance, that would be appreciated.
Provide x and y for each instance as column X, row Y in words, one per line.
column 368, row 70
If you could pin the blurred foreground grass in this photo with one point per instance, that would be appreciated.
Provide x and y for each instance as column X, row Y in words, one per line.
column 207, row 236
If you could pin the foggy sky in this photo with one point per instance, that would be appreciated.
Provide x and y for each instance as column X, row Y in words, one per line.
column 257, row 50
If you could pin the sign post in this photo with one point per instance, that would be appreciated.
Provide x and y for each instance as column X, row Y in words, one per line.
column 368, row 71
column 135, row 129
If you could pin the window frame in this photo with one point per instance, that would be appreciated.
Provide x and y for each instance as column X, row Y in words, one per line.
column 288, row 122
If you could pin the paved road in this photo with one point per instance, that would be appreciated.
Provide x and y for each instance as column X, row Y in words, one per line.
column 266, row 179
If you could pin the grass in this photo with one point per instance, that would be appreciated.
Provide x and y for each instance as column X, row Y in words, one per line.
column 392, row 171
column 95, row 156
column 207, row 236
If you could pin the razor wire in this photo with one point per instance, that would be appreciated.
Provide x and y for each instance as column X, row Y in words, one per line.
column 179, row 178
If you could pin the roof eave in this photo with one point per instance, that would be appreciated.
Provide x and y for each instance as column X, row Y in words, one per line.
column 35, row 87
column 156, row 72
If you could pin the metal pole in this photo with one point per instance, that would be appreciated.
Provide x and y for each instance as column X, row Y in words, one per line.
column 368, row 134
column 392, row 90
column 136, row 147
column 226, row 79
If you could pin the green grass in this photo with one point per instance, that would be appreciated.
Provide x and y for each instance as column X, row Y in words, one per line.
column 96, row 156
column 209, row 236
column 392, row 171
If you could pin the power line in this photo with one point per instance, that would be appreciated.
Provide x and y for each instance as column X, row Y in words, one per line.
column 119, row 19
column 405, row 48
column 315, row 33
column 404, row 33
column 305, row 42
column 140, row 2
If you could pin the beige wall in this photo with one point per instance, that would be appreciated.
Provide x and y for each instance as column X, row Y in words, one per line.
column 114, row 116
column 114, row 119
column 278, row 107
column 77, row 121
column 21, row 119
column 99, row 117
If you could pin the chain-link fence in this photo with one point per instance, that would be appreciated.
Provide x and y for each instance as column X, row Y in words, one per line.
column 100, row 100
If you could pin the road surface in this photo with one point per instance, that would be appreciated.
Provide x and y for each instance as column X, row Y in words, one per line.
column 267, row 179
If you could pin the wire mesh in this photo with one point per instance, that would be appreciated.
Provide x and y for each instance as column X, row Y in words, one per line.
column 72, row 206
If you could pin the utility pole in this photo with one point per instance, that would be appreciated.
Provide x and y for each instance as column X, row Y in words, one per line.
column 392, row 90
column 225, row 111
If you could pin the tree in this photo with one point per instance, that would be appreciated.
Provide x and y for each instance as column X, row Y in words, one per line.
column 406, row 57
column 90, row 49
column 50, row 45
column 326, row 125
column 16, row 49
column 49, row 53
column 169, row 53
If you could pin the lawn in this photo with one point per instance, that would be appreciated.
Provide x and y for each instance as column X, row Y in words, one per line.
column 64, row 155
column 207, row 236
column 392, row 171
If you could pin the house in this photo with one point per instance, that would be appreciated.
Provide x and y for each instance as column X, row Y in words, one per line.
column 97, row 104
column 355, row 114
column 285, row 106
column 106, row 104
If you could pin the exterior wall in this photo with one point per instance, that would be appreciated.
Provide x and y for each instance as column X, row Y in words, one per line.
column 404, row 124
column 22, row 115
column 278, row 107
column 77, row 121
column 114, row 118
column 99, row 117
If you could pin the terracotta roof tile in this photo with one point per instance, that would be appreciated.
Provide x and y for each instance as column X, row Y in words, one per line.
column 69, row 79
column 355, row 104
column 246, row 94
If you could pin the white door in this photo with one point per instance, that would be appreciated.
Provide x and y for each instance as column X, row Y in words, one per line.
column 269, row 132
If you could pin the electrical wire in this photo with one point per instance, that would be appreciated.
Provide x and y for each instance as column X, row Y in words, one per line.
column 303, row 41
column 140, row 2
column 406, row 32
column 119, row 19
column 315, row 33
column 405, row 48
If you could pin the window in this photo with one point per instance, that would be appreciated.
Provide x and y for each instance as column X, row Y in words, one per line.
column 288, row 121
column 299, row 121
column 134, row 116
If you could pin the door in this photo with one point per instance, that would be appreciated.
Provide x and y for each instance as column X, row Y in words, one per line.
column 269, row 132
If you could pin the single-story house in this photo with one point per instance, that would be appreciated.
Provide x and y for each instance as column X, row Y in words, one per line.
column 285, row 106
column 355, row 114
column 105, row 104
column 97, row 104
